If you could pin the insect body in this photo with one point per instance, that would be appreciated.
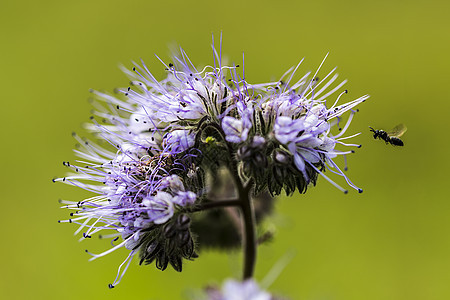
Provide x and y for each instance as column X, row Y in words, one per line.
column 392, row 137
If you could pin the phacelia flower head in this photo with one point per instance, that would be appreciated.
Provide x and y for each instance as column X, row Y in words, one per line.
column 158, row 140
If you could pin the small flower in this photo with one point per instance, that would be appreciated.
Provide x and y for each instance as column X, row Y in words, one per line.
column 159, row 208
column 180, row 140
column 236, row 290
column 236, row 131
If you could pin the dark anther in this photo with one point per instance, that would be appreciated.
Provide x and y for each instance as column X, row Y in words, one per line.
column 118, row 107
column 346, row 192
column 360, row 191
column 346, row 91
column 170, row 65
column 71, row 214
column 91, row 117
column 110, row 286
column 237, row 66
column 134, row 69
column 129, row 88
column 359, row 146
column 126, row 94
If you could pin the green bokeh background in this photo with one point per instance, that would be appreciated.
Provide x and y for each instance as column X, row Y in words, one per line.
column 391, row 242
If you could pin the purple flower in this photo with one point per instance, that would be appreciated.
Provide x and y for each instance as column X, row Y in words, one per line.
column 159, row 208
column 179, row 140
column 236, row 130
column 236, row 290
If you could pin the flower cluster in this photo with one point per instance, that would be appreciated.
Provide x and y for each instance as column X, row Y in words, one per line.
column 161, row 143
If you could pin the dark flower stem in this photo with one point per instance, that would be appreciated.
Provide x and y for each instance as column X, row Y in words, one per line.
column 248, row 213
column 249, row 239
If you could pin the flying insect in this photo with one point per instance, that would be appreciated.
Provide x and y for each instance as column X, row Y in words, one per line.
column 392, row 137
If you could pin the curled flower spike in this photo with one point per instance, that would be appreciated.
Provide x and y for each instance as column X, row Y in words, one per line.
column 162, row 144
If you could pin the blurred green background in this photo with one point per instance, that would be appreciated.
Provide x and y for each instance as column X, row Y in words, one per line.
column 391, row 242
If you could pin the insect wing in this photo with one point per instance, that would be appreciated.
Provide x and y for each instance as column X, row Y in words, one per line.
column 397, row 131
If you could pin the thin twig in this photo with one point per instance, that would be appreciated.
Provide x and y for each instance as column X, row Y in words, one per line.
column 215, row 204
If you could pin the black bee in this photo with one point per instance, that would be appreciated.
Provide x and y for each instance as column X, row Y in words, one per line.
column 392, row 137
